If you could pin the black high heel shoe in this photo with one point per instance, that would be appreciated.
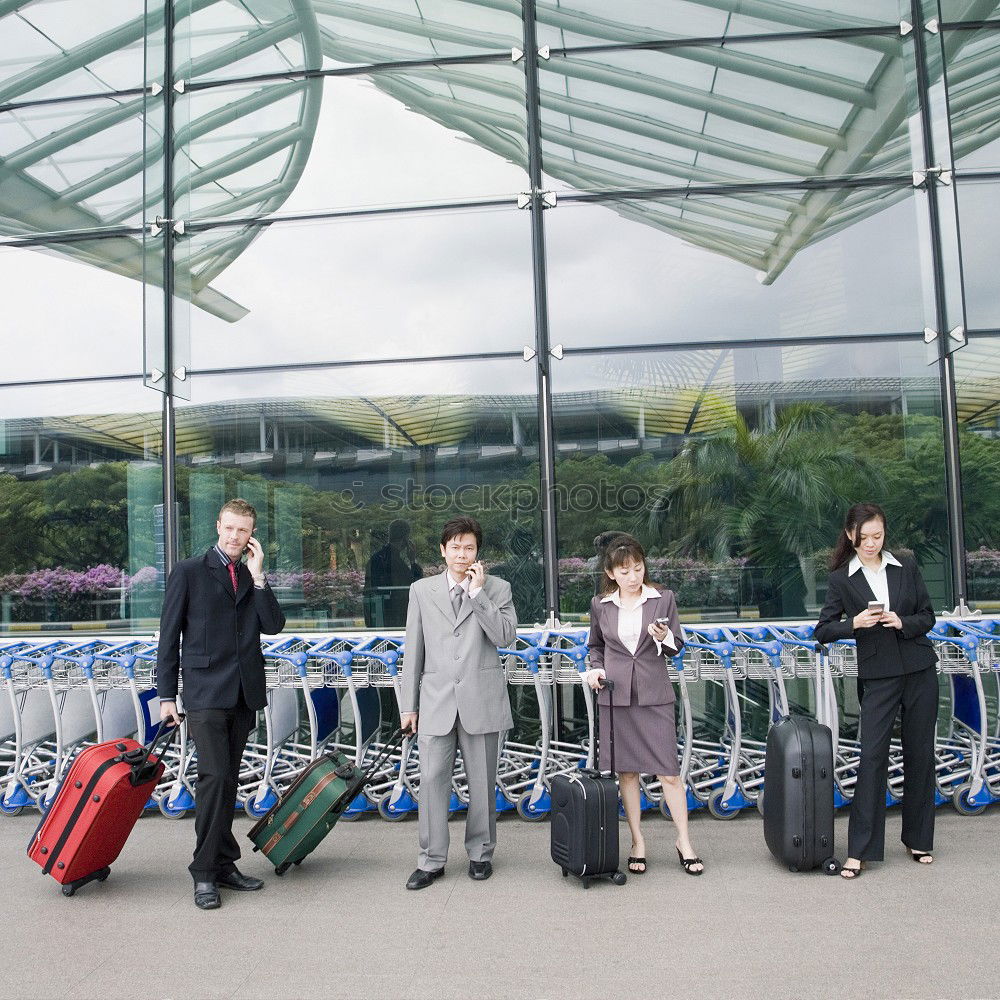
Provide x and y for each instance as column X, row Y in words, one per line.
column 688, row 863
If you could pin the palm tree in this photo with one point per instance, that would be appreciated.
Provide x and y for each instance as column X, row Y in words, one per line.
column 774, row 496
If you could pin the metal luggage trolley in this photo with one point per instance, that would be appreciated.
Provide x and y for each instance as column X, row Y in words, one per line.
column 692, row 765
column 965, row 650
column 758, row 658
column 336, row 654
column 271, row 763
column 393, row 790
column 568, row 652
column 717, row 786
column 34, row 700
column 522, row 770
column 23, row 720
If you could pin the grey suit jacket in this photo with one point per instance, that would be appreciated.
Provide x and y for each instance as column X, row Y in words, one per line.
column 451, row 668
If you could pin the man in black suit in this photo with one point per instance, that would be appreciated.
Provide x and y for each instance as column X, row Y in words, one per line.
column 220, row 607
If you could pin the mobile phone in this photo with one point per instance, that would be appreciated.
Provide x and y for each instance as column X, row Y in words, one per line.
column 661, row 621
column 876, row 606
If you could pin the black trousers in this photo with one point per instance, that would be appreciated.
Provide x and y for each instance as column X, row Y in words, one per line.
column 220, row 736
column 915, row 698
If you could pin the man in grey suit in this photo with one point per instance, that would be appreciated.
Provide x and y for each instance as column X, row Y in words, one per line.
column 454, row 683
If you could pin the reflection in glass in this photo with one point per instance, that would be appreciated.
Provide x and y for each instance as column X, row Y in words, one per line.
column 428, row 134
column 73, row 309
column 979, row 217
column 977, row 384
column 224, row 42
column 593, row 22
column 353, row 473
column 747, row 267
column 972, row 58
column 777, row 110
column 734, row 467
column 390, row 287
column 81, row 507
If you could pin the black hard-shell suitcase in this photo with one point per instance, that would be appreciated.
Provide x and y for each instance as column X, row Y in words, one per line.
column 584, row 821
column 798, row 795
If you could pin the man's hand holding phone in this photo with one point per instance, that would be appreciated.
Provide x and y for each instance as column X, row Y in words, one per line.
column 477, row 577
column 255, row 560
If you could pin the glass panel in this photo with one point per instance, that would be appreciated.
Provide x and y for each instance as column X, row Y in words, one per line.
column 776, row 110
column 794, row 264
column 734, row 468
column 223, row 41
column 81, row 504
column 342, row 142
column 59, row 48
column 72, row 310
column 972, row 58
column 354, row 471
column 979, row 217
column 969, row 10
column 74, row 166
column 587, row 22
column 977, row 384
column 389, row 287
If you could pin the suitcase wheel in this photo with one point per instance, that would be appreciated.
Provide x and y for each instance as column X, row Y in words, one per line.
column 586, row 883
column 565, row 873
column 68, row 890
column 831, row 866
column 619, row 878
column 282, row 868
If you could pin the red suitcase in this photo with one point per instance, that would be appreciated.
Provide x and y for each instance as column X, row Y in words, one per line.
column 93, row 812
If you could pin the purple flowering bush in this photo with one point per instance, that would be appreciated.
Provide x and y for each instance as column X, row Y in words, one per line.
column 697, row 584
column 335, row 591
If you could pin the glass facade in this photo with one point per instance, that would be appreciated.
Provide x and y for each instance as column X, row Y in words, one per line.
column 705, row 272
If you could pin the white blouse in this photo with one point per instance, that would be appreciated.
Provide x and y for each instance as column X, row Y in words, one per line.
column 630, row 620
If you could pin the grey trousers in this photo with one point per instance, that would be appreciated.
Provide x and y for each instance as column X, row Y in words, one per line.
column 437, row 763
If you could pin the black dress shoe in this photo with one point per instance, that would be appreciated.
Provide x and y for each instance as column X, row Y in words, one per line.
column 420, row 879
column 206, row 896
column 238, row 881
column 480, row 870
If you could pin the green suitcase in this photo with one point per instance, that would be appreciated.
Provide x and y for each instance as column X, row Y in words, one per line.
column 297, row 823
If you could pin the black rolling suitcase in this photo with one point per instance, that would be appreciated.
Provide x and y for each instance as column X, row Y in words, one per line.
column 584, row 821
column 798, row 795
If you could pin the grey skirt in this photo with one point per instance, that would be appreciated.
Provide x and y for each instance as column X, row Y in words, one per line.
column 645, row 739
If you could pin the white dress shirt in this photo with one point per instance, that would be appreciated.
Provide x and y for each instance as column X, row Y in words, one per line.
column 630, row 620
column 876, row 578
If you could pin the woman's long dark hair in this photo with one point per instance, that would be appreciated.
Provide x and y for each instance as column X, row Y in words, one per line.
column 621, row 552
column 850, row 537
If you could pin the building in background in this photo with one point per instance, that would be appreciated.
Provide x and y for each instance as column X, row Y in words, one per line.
column 706, row 271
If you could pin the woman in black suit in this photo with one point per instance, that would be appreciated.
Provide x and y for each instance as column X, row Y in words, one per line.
column 896, row 673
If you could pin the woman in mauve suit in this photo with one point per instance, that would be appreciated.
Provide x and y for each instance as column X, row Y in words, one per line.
column 633, row 626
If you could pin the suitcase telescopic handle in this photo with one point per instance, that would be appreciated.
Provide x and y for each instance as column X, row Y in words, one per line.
column 610, row 685
column 138, row 758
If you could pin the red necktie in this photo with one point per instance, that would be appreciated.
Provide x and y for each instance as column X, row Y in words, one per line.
column 232, row 576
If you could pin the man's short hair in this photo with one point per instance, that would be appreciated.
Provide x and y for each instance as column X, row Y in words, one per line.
column 240, row 507
column 459, row 526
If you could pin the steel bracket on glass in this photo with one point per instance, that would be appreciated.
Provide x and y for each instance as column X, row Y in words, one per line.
column 938, row 174
column 179, row 86
column 905, row 28
column 549, row 199
column 155, row 89
column 957, row 335
column 933, row 26
column 516, row 55
column 180, row 374
column 544, row 52
column 159, row 223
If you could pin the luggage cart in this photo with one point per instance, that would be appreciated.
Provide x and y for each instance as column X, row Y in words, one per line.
column 973, row 780
column 719, row 788
column 522, row 772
